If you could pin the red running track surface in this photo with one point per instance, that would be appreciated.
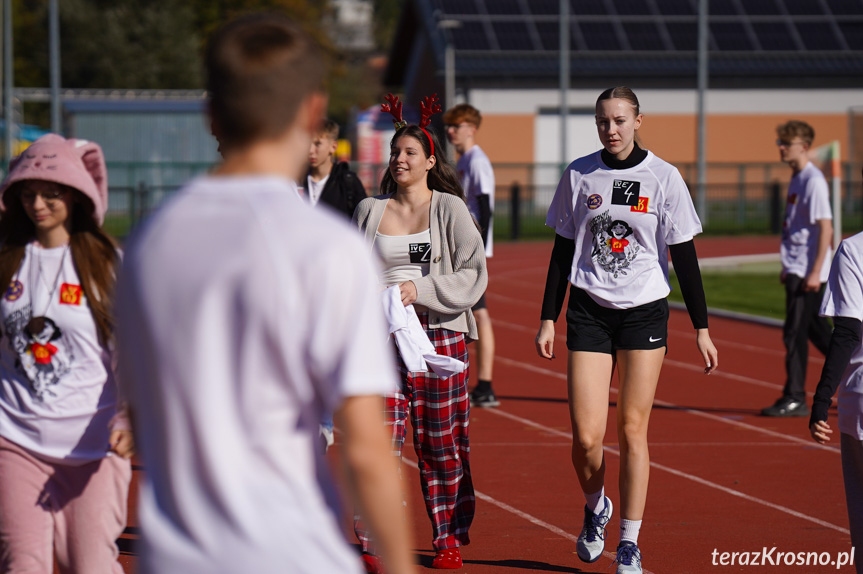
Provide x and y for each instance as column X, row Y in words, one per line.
column 722, row 478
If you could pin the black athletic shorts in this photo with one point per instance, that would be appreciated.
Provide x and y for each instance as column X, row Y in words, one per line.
column 592, row 327
column 479, row 304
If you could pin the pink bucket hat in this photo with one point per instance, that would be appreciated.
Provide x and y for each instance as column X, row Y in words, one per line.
column 79, row 164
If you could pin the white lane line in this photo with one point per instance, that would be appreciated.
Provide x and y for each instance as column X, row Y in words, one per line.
column 685, row 475
column 696, row 412
column 529, row 517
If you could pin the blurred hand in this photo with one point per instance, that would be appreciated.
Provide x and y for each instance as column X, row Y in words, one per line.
column 545, row 340
column 122, row 442
column 408, row 292
column 821, row 432
column 708, row 351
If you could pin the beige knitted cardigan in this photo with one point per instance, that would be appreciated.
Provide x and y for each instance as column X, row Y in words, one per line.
column 457, row 273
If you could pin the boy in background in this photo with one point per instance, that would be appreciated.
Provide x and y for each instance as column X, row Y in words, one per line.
column 329, row 182
column 477, row 179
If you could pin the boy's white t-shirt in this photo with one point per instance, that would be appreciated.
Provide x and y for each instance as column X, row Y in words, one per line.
column 808, row 201
column 57, row 388
column 244, row 315
column 477, row 179
column 622, row 222
column 843, row 297
column 316, row 188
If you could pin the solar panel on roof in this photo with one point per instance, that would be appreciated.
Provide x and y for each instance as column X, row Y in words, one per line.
column 632, row 7
column 774, row 35
column 592, row 7
column 818, row 36
column 684, row 35
column 549, row 34
column 853, row 32
column 544, row 7
column 676, row 7
column 761, row 7
column 503, row 7
column 512, row 35
column 730, row 36
column 456, row 6
column 470, row 36
column 803, row 7
column 722, row 8
column 599, row 36
column 846, row 7
column 643, row 35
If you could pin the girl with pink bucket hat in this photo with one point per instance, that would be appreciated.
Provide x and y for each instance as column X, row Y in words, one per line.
column 65, row 440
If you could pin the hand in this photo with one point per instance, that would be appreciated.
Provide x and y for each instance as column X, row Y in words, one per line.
column 408, row 292
column 122, row 442
column 812, row 283
column 782, row 277
column 707, row 350
column 545, row 340
column 820, row 431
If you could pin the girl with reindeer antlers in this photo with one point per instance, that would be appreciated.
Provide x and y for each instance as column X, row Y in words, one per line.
column 434, row 261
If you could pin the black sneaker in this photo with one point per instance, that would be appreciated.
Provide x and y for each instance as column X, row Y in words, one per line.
column 786, row 407
column 484, row 399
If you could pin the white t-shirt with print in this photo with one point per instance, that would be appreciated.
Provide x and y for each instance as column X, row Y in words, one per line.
column 808, row 201
column 477, row 179
column 245, row 314
column 622, row 222
column 843, row 297
column 57, row 388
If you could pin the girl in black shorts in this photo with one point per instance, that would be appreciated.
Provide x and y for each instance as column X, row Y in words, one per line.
column 616, row 214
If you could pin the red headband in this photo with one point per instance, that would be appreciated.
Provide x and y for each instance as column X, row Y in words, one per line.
column 429, row 106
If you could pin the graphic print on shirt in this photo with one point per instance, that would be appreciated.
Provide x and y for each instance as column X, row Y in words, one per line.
column 44, row 355
column 614, row 245
column 420, row 252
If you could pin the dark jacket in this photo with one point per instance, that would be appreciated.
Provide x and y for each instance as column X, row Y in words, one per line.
column 343, row 190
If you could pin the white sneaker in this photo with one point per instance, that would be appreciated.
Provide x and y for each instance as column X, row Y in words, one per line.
column 591, row 541
column 628, row 558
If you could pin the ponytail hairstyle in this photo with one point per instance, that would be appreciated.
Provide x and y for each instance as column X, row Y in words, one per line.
column 441, row 177
column 94, row 252
column 626, row 94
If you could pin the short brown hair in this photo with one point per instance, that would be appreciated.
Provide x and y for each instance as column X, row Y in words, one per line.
column 260, row 67
column 330, row 129
column 796, row 129
column 462, row 113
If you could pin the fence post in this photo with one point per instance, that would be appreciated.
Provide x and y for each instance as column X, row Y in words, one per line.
column 140, row 195
column 775, row 206
column 515, row 210
column 741, row 195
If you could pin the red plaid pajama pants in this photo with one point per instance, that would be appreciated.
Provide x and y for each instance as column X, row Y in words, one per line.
column 439, row 411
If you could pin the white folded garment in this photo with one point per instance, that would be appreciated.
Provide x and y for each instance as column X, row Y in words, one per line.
column 415, row 348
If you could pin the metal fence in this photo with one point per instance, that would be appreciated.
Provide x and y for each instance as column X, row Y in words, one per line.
column 741, row 198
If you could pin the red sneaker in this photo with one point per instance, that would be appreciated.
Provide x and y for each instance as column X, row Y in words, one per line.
column 448, row 559
column 372, row 564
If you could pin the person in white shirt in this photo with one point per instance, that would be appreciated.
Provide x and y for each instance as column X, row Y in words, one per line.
column 65, row 438
column 236, row 334
column 805, row 252
column 616, row 214
column 843, row 369
column 477, row 179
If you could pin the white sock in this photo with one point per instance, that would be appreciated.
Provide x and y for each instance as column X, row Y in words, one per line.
column 629, row 530
column 596, row 501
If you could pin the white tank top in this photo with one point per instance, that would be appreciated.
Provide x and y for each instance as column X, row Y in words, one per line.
column 404, row 257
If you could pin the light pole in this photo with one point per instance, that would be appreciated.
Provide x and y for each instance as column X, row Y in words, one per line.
column 449, row 69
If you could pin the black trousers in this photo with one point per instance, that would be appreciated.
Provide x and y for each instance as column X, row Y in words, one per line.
column 802, row 324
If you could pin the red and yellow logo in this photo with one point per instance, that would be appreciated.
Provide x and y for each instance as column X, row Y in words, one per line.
column 70, row 294
column 643, row 203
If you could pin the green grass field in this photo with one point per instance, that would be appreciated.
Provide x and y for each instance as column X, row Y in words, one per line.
column 754, row 289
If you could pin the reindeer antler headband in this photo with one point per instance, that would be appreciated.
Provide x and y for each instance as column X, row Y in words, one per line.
column 429, row 106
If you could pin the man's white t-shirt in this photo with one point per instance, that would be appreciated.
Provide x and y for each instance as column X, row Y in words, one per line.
column 843, row 297
column 315, row 188
column 622, row 222
column 808, row 201
column 244, row 315
column 477, row 179
column 57, row 388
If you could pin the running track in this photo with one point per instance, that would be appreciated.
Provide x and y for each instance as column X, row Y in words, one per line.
column 722, row 477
